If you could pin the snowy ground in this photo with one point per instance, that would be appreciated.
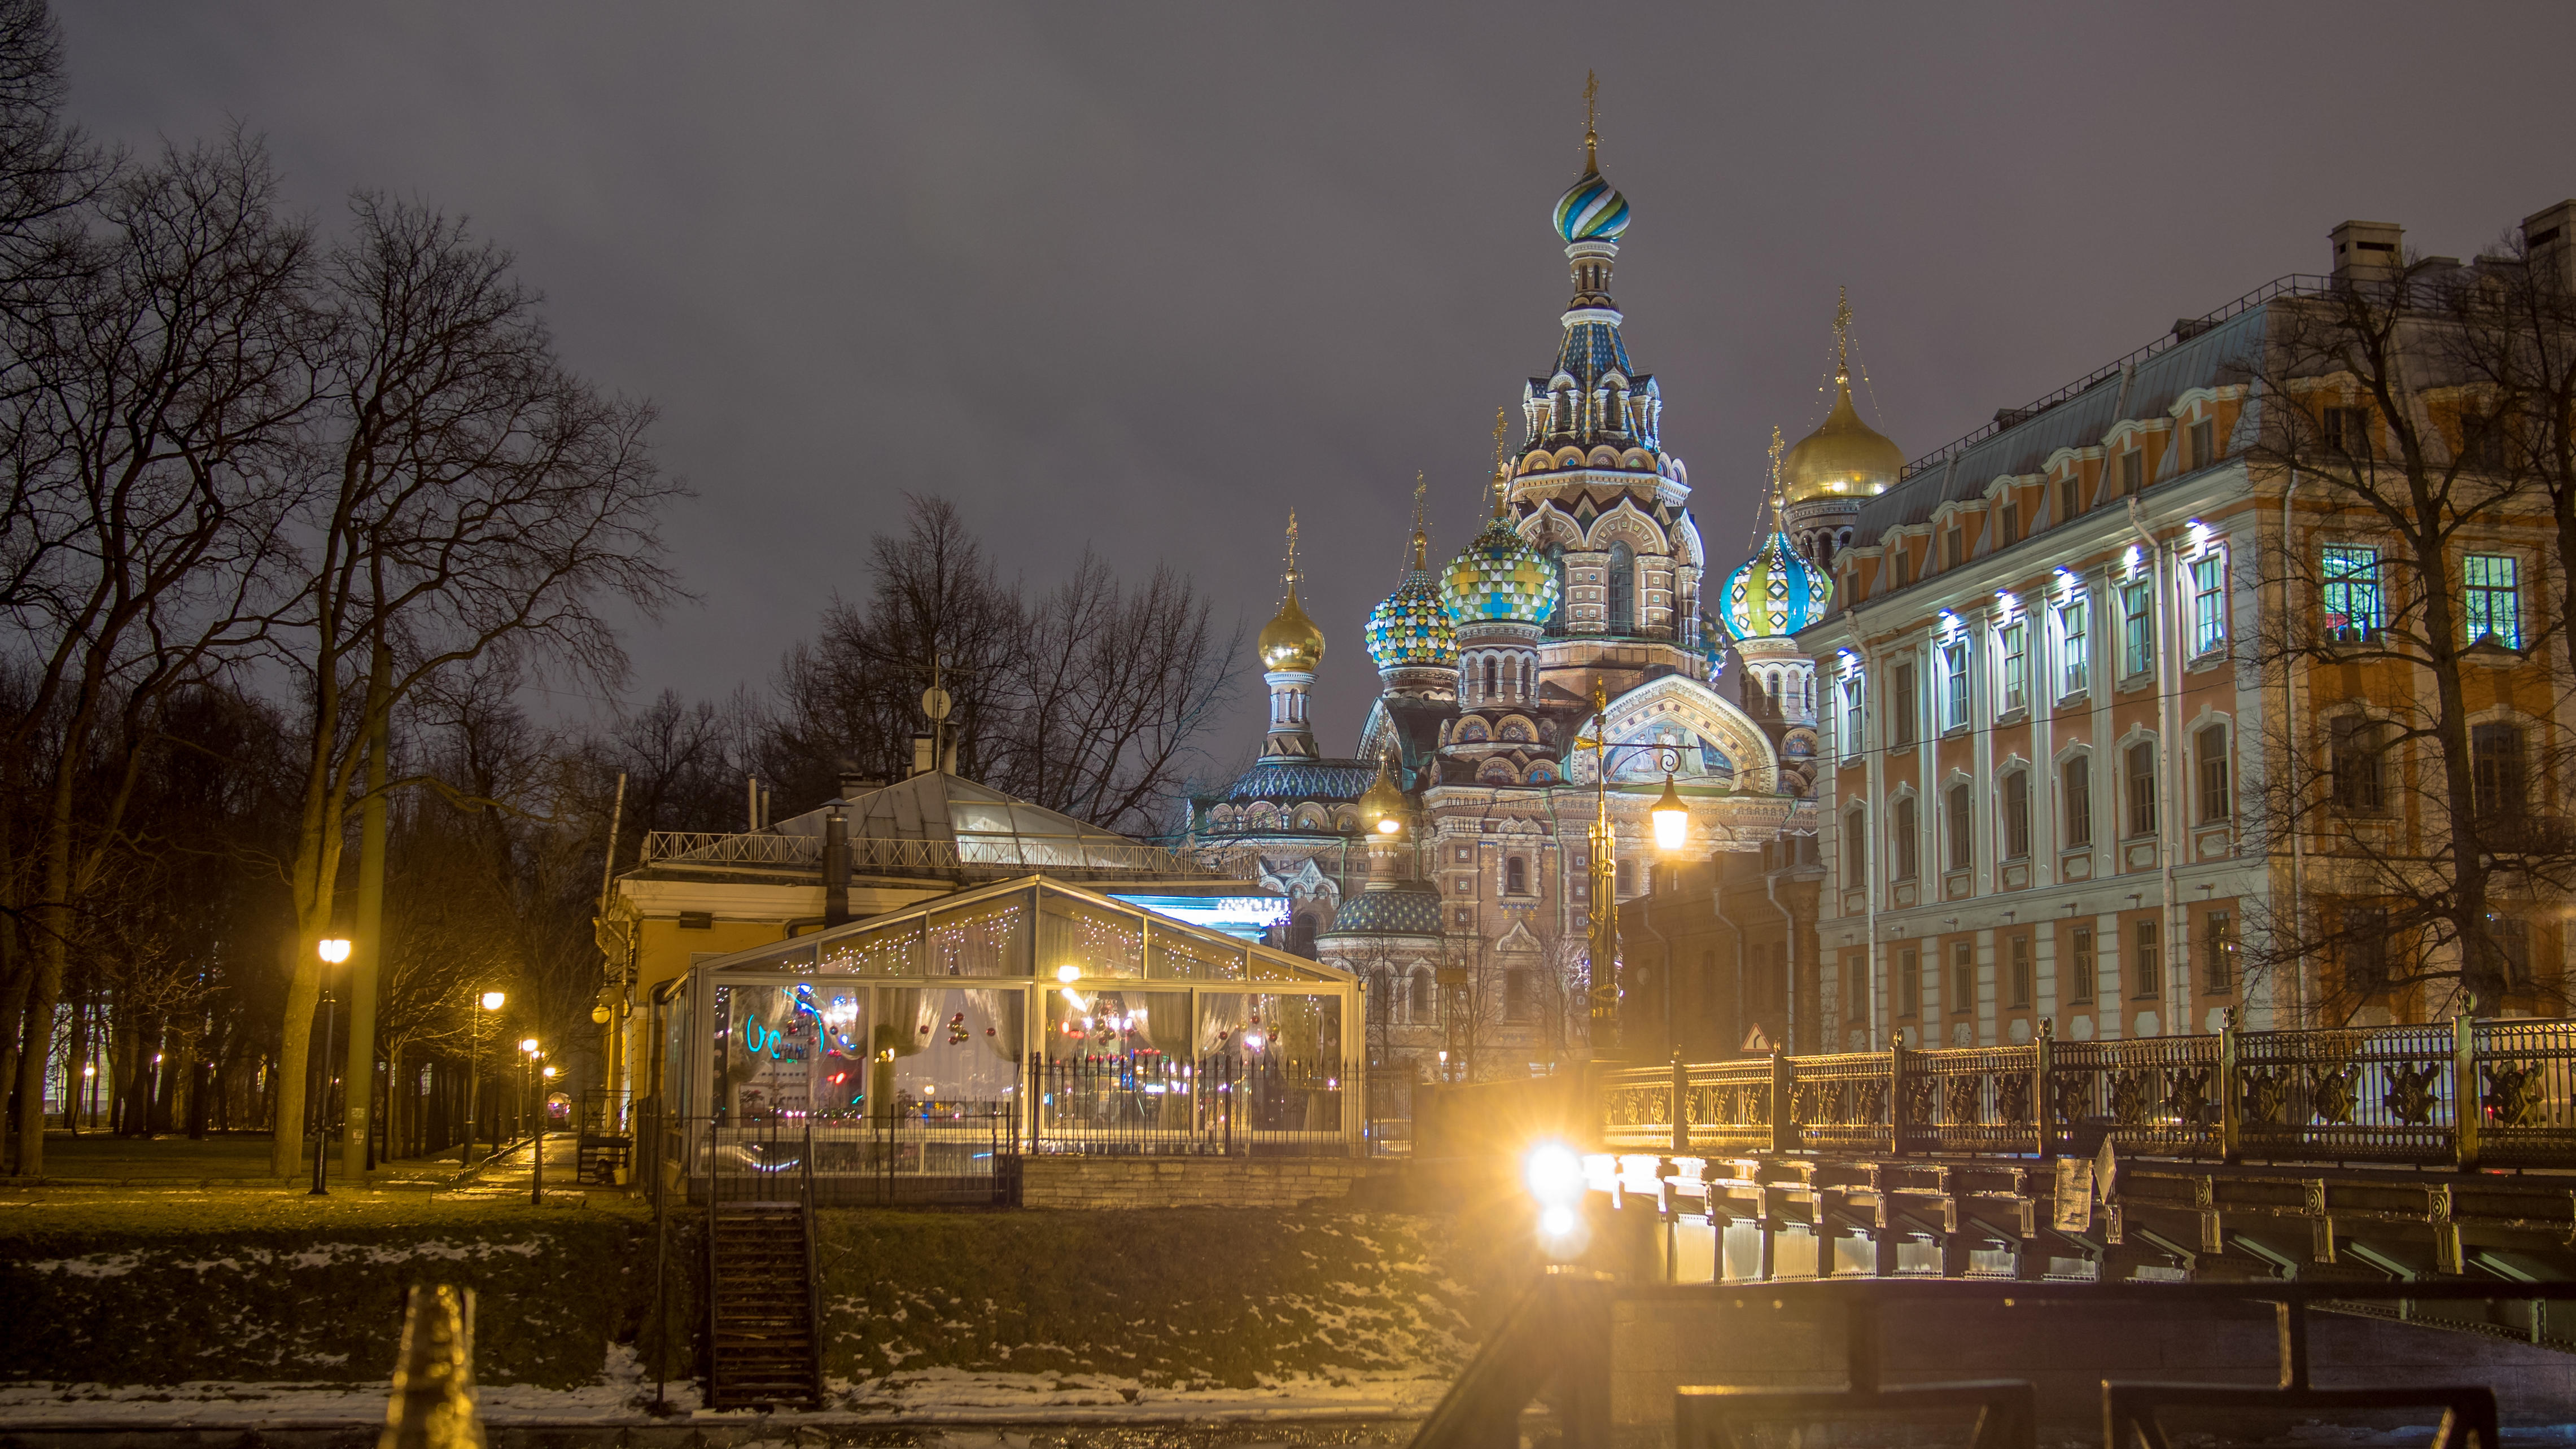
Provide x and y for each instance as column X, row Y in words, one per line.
column 944, row 1396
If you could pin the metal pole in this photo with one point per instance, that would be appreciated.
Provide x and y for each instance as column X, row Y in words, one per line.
column 322, row 1106
column 537, row 1140
column 473, row 1080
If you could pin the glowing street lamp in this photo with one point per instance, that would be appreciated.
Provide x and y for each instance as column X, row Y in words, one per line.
column 537, row 1126
column 490, row 1001
column 1671, row 817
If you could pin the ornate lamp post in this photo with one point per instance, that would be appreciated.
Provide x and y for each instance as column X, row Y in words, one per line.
column 537, row 1192
column 1671, row 819
column 489, row 1001
column 334, row 950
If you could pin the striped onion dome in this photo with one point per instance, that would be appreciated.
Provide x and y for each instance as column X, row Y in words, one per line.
column 1775, row 593
column 1591, row 210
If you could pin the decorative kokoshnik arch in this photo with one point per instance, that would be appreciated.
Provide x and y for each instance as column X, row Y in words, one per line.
column 1683, row 712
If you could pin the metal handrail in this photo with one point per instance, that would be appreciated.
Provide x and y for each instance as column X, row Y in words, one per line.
column 2443, row 1094
column 433, row 1391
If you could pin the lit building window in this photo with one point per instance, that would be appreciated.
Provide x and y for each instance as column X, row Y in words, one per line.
column 2209, row 604
column 2350, row 592
column 2016, row 651
column 2137, row 628
column 2073, row 645
column 1954, row 685
column 2491, row 596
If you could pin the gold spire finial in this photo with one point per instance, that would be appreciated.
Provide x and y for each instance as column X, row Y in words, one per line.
column 1290, row 576
column 1421, row 531
column 1591, row 137
column 1842, row 334
column 1776, row 449
column 1502, row 476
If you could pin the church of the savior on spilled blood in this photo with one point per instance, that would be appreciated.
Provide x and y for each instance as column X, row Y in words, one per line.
column 1447, row 859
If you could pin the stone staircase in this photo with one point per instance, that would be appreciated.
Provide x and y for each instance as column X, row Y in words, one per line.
column 763, row 1348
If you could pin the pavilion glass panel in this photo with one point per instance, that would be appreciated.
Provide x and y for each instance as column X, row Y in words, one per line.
column 1096, row 941
column 988, row 938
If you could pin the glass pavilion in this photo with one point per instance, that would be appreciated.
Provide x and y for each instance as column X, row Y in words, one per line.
column 1031, row 1012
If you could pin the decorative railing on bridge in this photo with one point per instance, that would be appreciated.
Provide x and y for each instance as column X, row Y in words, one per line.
column 2460, row 1093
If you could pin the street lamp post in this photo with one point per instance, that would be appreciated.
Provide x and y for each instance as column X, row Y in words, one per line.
column 528, row 1054
column 489, row 1001
column 1671, row 831
column 537, row 1193
column 334, row 950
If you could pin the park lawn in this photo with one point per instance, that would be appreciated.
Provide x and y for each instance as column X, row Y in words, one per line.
column 234, row 1156
column 98, row 1154
column 53, row 1222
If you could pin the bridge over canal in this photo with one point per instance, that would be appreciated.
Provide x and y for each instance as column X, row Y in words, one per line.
column 2374, row 1154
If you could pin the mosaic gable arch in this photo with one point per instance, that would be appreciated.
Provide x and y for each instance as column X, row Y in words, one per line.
column 1625, row 524
column 1551, row 525
column 1687, row 548
column 1658, row 708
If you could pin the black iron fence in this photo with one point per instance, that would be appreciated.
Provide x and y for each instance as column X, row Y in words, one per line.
column 963, row 1156
column 2454, row 1094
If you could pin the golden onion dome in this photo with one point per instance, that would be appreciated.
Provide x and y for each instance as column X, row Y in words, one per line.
column 1845, row 458
column 1290, row 641
column 1383, row 802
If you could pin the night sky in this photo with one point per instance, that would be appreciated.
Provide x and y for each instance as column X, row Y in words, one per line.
column 1148, row 276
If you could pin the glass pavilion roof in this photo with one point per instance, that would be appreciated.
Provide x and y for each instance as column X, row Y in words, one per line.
column 1030, row 929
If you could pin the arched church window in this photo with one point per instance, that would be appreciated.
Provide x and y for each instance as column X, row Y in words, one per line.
column 1490, row 686
column 1529, row 681
column 1623, row 588
column 1515, row 876
column 1418, row 1010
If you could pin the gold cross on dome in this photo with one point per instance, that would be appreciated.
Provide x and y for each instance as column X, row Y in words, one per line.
column 1291, row 575
column 1591, row 137
column 1501, row 483
column 1775, row 456
column 1842, row 329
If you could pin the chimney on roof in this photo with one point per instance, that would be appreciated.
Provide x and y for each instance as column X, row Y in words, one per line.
column 2368, row 251
column 836, row 869
column 855, row 784
column 2549, row 239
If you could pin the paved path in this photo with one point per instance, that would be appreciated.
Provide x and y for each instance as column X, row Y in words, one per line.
column 513, row 1173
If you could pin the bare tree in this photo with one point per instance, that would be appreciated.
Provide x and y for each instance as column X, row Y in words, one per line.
column 1092, row 699
column 2422, row 860
column 146, row 488
column 474, row 500
column 1115, row 688
column 855, row 693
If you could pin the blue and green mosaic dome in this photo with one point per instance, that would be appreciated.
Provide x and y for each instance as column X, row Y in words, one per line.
column 1499, row 578
column 1591, row 210
column 1411, row 627
column 1775, row 593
